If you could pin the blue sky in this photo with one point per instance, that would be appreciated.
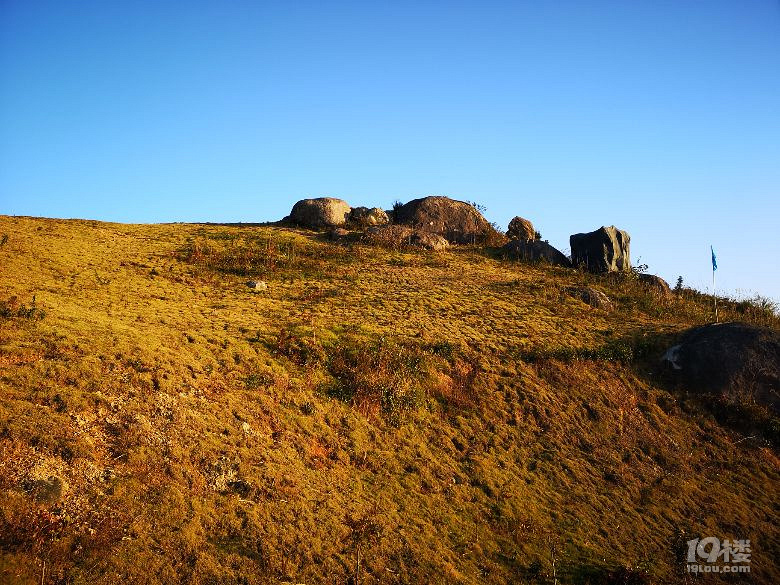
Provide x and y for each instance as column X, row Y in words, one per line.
column 660, row 117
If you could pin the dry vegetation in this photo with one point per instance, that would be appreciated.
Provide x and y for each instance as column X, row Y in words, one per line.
column 375, row 415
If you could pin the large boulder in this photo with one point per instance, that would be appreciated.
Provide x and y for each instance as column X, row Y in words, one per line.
column 521, row 229
column 320, row 212
column 401, row 236
column 535, row 251
column 365, row 216
column 732, row 359
column 457, row 221
column 605, row 250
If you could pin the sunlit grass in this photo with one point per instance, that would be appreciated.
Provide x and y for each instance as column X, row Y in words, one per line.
column 452, row 416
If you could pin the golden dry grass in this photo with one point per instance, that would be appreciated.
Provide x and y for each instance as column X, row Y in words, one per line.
column 162, row 423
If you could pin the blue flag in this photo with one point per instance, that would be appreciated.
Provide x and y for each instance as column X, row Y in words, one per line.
column 714, row 261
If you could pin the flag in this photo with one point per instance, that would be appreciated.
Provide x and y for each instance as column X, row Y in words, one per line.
column 714, row 261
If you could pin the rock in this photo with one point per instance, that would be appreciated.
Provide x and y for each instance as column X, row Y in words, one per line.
column 590, row 296
column 458, row 222
column 338, row 234
column 672, row 357
column 321, row 212
column 246, row 428
column 730, row 359
column 656, row 283
column 429, row 241
column 605, row 250
column 535, row 251
column 46, row 491
column 257, row 285
column 399, row 236
column 521, row 229
column 364, row 216
column 389, row 236
column 224, row 476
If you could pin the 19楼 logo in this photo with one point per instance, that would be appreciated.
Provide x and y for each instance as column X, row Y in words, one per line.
column 734, row 555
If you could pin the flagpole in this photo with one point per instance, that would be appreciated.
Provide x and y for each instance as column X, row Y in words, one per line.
column 714, row 291
column 714, row 295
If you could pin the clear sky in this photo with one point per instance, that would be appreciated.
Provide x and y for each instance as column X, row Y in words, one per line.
column 660, row 117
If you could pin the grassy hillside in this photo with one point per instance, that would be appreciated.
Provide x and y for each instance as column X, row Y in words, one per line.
column 374, row 415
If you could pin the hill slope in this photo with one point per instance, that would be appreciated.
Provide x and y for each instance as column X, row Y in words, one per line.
column 374, row 415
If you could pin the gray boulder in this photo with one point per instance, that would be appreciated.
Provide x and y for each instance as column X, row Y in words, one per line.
column 257, row 285
column 428, row 241
column 535, row 251
column 590, row 296
column 730, row 359
column 604, row 250
column 365, row 216
column 320, row 212
column 521, row 229
column 456, row 221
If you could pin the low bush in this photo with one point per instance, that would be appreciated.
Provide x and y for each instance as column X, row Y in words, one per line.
column 378, row 376
column 392, row 377
column 12, row 308
column 300, row 347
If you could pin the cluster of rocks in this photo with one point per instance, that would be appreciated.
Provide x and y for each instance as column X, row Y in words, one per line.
column 368, row 216
column 432, row 223
column 436, row 222
column 603, row 250
column 325, row 212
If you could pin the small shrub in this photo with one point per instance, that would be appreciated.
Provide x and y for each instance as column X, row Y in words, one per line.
column 639, row 269
column 11, row 309
column 443, row 349
column 478, row 206
column 255, row 381
column 303, row 350
column 364, row 532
